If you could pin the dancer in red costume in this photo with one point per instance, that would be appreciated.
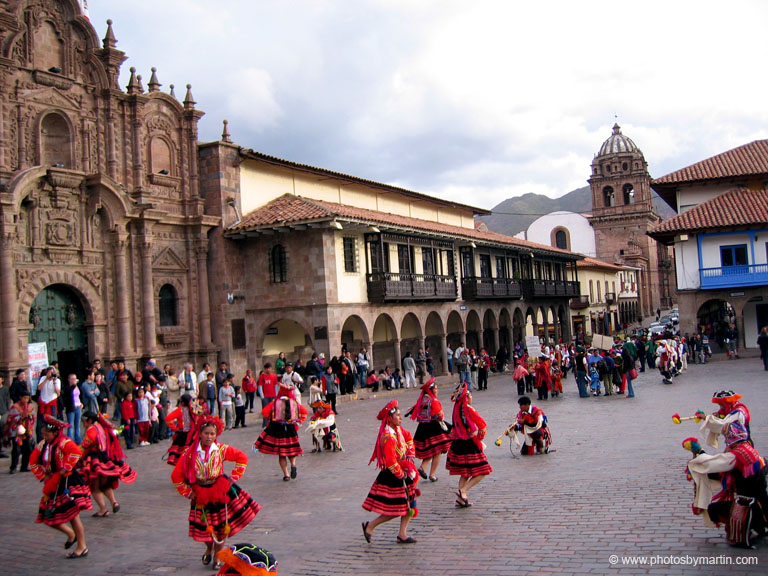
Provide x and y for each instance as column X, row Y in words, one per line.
column 394, row 491
column 280, row 437
column 466, row 458
column 219, row 508
column 432, row 438
column 65, row 493
column 181, row 421
column 102, row 463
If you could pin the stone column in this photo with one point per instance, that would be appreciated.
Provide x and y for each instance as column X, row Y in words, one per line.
column 496, row 344
column 205, row 299
column 398, row 355
column 443, row 355
column 147, row 297
column 8, row 302
column 122, row 302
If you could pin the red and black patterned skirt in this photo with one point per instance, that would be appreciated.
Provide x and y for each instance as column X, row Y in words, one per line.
column 217, row 505
column 105, row 473
column 430, row 439
column 279, row 439
column 72, row 495
column 181, row 441
column 388, row 495
column 465, row 459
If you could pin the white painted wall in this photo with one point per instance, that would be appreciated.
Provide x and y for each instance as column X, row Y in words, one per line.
column 687, row 264
column 580, row 231
column 687, row 198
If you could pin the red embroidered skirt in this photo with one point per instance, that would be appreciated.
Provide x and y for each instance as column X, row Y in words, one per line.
column 97, row 467
column 430, row 439
column 72, row 495
column 465, row 459
column 279, row 439
column 388, row 495
column 181, row 441
column 218, row 504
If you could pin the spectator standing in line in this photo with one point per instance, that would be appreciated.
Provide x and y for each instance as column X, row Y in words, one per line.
column 111, row 377
column 72, row 395
column 363, row 365
column 315, row 367
column 90, row 393
column 221, row 375
column 21, row 422
column 330, row 386
column 266, row 388
column 19, row 385
column 5, row 406
column 249, row 389
column 409, row 369
column 280, row 364
column 762, row 342
column 210, row 393
column 143, row 417
column 226, row 401
column 449, row 356
column 122, row 388
column 239, row 409
column 128, row 419
column 202, row 376
column 421, row 365
column 48, row 391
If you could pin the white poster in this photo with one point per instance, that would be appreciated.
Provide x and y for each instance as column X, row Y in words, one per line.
column 37, row 358
column 533, row 345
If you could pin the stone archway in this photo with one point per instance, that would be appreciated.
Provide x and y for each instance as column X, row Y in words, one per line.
column 384, row 344
column 287, row 336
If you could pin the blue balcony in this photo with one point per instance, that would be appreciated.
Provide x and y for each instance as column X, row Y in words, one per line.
column 734, row 276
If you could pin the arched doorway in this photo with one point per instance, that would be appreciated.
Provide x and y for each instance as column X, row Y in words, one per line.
column 287, row 336
column 713, row 319
column 58, row 318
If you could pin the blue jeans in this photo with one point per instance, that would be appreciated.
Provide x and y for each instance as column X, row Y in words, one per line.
column 581, row 382
column 630, row 390
column 73, row 417
column 465, row 376
column 211, row 405
column 450, row 365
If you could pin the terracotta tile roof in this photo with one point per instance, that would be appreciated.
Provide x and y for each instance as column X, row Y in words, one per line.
column 292, row 210
column 747, row 160
column 594, row 263
column 737, row 208
column 341, row 176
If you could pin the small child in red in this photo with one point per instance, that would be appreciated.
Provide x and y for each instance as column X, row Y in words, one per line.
column 128, row 419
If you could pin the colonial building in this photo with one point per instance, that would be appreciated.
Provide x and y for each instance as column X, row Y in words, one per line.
column 122, row 236
column 103, row 234
column 622, row 213
column 720, row 238
column 318, row 260
column 608, row 299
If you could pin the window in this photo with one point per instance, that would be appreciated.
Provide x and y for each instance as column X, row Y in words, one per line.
column 731, row 256
column 485, row 266
column 501, row 270
column 608, row 197
column 629, row 194
column 591, row 291
column 160, row 156
column 55, row 141
column 168, row 306
column 238, row 334
column 428, row 261
column 278, row 265
column 599, row 295
column 350, row 255
column 404, row 258
column 467, row 264
column 561, row 240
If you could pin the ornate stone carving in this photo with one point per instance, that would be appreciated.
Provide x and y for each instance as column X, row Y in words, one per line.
column 95, row 277
column 167, row 259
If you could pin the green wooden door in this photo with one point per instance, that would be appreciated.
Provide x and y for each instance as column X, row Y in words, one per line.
column 58, row 319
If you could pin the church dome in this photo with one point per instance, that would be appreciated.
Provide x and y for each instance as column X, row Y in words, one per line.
column 617, row 144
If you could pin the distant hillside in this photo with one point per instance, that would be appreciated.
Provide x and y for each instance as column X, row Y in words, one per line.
column 514, row 215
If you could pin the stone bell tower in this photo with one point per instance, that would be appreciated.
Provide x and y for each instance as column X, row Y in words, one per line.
column 622, row 213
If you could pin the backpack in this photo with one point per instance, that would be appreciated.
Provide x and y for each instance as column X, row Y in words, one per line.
column 602, row 368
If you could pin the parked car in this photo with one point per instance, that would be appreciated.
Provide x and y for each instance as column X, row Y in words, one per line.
column 657, row 330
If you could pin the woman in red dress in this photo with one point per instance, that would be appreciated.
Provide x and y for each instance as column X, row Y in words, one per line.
column 102, row 464
column 181, row 421
column 281, row 437
column 466, row 458
column 219, row 508
column 394, row 491
column 432, row 438
column 65, row 493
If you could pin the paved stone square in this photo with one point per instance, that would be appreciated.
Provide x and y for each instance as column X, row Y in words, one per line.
column 615, row 485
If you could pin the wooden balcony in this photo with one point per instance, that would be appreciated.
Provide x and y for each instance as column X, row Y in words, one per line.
column 579, row 303
column 533, row 289
column 490, row 288
column 396, row 287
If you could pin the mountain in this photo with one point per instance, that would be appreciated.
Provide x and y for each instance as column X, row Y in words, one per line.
column 514, row 215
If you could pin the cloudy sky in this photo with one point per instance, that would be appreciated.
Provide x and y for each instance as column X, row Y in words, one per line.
column 473, row 101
